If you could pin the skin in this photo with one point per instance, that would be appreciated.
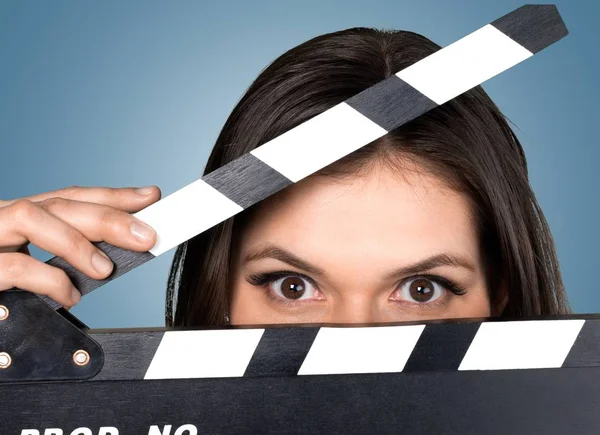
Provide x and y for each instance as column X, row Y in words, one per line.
column 363, row 233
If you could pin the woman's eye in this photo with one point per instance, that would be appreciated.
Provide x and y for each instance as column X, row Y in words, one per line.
column 420, row 290
column 293, row 288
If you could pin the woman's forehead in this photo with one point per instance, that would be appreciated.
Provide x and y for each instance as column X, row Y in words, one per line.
column 416, row 212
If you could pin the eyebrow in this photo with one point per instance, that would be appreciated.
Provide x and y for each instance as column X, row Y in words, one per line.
column 278, row 253
column 272, row 251
column 432, row 262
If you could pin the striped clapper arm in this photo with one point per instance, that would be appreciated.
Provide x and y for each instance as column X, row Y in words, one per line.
column 335, row 133
column 334, row 350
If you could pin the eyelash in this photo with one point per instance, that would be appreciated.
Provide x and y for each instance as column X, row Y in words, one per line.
column 444, row 282
column 262, row 279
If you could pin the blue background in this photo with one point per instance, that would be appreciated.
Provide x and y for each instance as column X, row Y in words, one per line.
column 133, row 93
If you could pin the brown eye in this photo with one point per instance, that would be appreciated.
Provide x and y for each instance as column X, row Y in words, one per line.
column 421, row 290
column 292, row 287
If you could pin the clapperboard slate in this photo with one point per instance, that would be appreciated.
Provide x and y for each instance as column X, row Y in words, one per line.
column 468, row 376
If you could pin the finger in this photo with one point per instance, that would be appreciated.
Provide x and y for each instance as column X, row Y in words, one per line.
column 102, row 223
column 27, row 273
column 128, row 199
column 25, row 221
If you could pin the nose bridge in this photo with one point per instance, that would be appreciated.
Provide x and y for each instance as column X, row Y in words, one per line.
column 357, row 309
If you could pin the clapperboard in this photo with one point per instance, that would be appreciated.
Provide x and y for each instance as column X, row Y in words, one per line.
column 469, row 376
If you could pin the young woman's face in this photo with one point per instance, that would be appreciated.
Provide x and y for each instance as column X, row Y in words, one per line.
column 384, row 247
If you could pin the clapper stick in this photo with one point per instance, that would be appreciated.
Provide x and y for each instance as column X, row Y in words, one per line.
column 333, row 134
column 467, row 376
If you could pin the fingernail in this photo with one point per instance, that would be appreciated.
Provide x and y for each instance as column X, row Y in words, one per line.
column 142, row 231
column 75, row 295
column 102, row 263
column 144, row 190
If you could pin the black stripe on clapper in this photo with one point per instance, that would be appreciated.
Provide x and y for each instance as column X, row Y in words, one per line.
column 246, row 180
column 390, row 103
column 535, row 27
column 123, row 261
column 127, row 355
column 441, row 347
column 584, row 353
column 281, row 351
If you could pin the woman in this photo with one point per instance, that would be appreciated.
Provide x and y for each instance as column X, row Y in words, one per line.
column 434, row 220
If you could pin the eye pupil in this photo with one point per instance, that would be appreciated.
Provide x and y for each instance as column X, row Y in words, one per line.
column 292, row 287
column 421, row 290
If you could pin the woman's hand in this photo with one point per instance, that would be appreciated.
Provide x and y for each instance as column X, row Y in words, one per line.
column 64, row 223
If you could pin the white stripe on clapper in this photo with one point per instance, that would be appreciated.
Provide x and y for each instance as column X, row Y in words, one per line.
column 318, row 142
column 381, row 349
column 527, row 344
column 464, row 64
column 204, row 354
column 185, row 213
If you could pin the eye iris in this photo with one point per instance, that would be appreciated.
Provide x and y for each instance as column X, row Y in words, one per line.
column 421, row 290
column 292, row 287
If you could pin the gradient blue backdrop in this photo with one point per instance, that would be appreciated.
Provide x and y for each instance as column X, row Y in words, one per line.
column 132, row 93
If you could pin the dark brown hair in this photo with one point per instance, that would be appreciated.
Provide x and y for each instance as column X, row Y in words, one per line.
column 467, row 141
